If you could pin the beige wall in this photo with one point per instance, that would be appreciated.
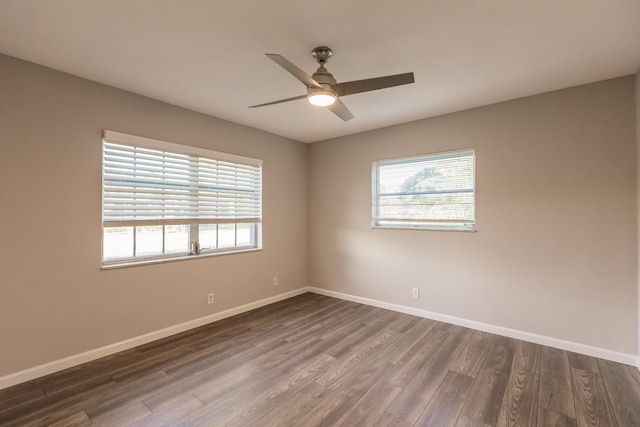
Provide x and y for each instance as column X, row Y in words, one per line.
column 555, row 251
column 54, row 300
column 638, row 186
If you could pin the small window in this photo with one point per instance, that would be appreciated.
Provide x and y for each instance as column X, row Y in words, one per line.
column 162, row 200
column 434, row 192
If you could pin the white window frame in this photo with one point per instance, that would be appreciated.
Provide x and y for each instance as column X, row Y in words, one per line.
column 421, row 222
column 222, row 214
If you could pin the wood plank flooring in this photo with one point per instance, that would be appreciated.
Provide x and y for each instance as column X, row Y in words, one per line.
column 319, row 361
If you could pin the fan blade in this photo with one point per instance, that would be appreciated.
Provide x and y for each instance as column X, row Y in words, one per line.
column 279, row 102
column 294, row 70
column 366, row 85
column 339, row 109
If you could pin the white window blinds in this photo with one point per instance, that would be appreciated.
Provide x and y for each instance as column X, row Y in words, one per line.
column 149, row 182
column 436, row 191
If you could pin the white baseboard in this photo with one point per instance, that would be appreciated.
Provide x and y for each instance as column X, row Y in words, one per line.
column 87, row 356
column 627, row 359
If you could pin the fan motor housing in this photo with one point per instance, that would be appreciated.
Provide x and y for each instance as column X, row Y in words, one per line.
column 323, row 77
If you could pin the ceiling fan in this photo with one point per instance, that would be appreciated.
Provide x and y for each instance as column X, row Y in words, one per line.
column 322, row 88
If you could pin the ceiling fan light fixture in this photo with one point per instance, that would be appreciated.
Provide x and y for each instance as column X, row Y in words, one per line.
column 322, row 88
column 322, row 97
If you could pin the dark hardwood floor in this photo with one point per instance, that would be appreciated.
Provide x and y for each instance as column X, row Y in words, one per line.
column 313, row 360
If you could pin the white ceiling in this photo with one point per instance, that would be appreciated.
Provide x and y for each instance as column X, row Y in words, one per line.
column 208, row 56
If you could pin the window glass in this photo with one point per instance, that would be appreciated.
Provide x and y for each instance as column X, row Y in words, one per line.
column 176, row 239
column 208, row 236
column 226, row 235
column 244, row 235
column 148, row 241
column 118, row 243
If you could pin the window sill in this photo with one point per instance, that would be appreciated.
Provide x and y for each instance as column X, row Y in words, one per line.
column 117, row 265
column 424, row 228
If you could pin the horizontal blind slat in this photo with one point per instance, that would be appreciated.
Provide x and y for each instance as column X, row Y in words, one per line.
column 438, row 188
column 149, row 185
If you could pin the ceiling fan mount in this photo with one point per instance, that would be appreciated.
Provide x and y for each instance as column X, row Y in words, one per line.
column 324, row 90
column 322, row 54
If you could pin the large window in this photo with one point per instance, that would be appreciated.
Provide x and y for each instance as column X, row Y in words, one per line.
column 428, row 192
column 162, row 200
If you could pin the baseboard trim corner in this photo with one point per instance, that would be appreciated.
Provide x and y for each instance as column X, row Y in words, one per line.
column 627, row 359
column 78, row 359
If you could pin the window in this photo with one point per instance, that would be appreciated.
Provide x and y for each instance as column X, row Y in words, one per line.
column 435, row 192
column 162, row 200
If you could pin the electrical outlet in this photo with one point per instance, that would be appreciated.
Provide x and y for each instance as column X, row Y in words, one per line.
column 210, row 299
column 275, row 281
column 415, row 293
